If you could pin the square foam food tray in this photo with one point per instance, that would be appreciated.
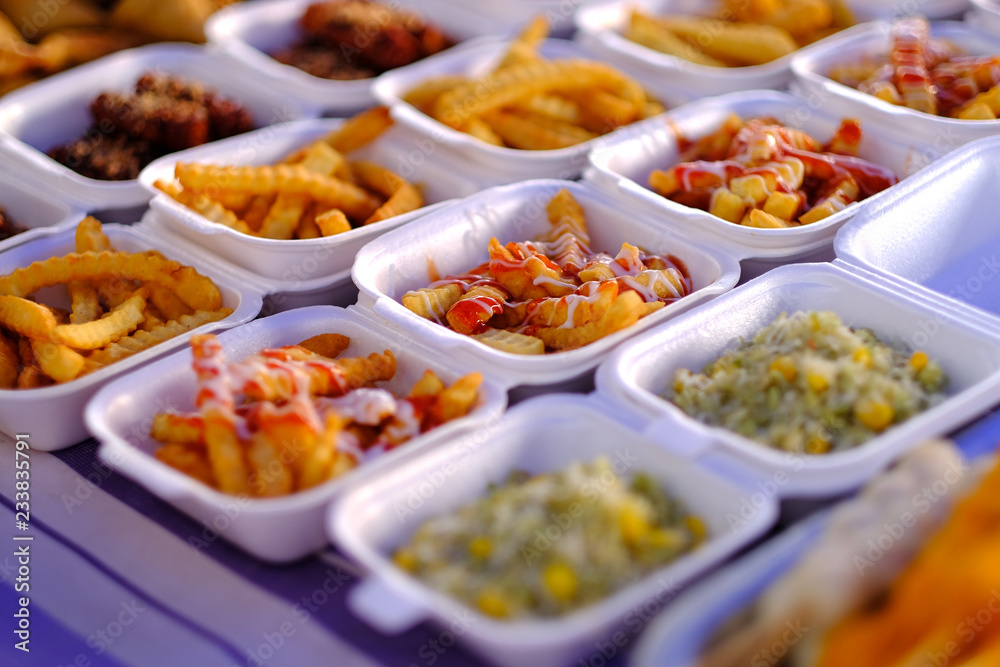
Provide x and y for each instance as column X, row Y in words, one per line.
column 641, row 371
column 53, row 415
column 56, row 111
column 537, row 436
column 274, row 529
column 246, row 32
column 301, row 259
column 39, row 213
column 811, row 67
column 455, row 240
column 602, row 26
column 622, row 165
column 935, row 233
column 506, row 164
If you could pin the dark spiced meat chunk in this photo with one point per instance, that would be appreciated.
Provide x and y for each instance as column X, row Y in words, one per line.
column 105, row 157
column 358, row 37
column 162, row 115
column 174, row 124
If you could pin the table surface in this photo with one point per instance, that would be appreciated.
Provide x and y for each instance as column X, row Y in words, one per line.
column 119, row 577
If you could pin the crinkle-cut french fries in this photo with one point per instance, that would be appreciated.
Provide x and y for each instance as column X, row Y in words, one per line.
column 289, row 418
column 530, row 103
column 927, row 74
column 121, row 303
column 316, row 191
column 759, row 173
column 553, row 293
column 743, row 33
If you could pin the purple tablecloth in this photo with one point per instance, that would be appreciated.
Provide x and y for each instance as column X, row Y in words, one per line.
column 118, row 577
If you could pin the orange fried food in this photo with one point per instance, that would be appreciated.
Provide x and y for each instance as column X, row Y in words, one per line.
column 553, row 293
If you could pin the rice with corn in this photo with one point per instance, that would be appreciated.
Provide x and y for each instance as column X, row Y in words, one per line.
column 546, row 545
column 808, row 383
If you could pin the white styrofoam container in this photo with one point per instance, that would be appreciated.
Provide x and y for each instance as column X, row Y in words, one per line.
column 296, row 289
column 475, row 19
column 456, row 239
column 39, row 213
column 811, row 65
column 440, row 180
column 678, row 636
column 985, row 14
column 507, row 165
column 538, row 436
column 54, row 415
column 246, row 32
column 602, row 26
column 273, row 529
column 640, row 371
column 56, row 111
column 692, row 625
column 936, row 232
column 622, row 166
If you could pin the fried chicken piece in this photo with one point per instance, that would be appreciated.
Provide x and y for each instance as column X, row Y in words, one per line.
column 164, row 114
column 383, row 37
column 174, row 124
column 226, row 117
column 105, row 157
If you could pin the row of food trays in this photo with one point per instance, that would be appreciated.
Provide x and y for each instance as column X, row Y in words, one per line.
column 379, row 425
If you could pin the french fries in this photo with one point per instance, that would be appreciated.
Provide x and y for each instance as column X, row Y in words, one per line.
column 259, row 433
column 530, row 103
column 113, row 295
column 553, row 293
column 316, row 191
column 927, row 74
column 759, row 173
column 743, row 33
column 39, row 39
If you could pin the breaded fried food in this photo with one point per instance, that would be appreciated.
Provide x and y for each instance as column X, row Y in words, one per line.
column 354, row 39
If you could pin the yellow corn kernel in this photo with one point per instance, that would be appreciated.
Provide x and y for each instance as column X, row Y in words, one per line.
column 874, row 413
column 658, row 538
column 918, row 360
column 814, row 319
column 698, row 529
column 817, row 382
column 560, row 580
column 786, row 367
column 863, row 357
column 817, row 445
column 405, row 559
column 492, row 603
column 633, row 524
column 480, row 547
